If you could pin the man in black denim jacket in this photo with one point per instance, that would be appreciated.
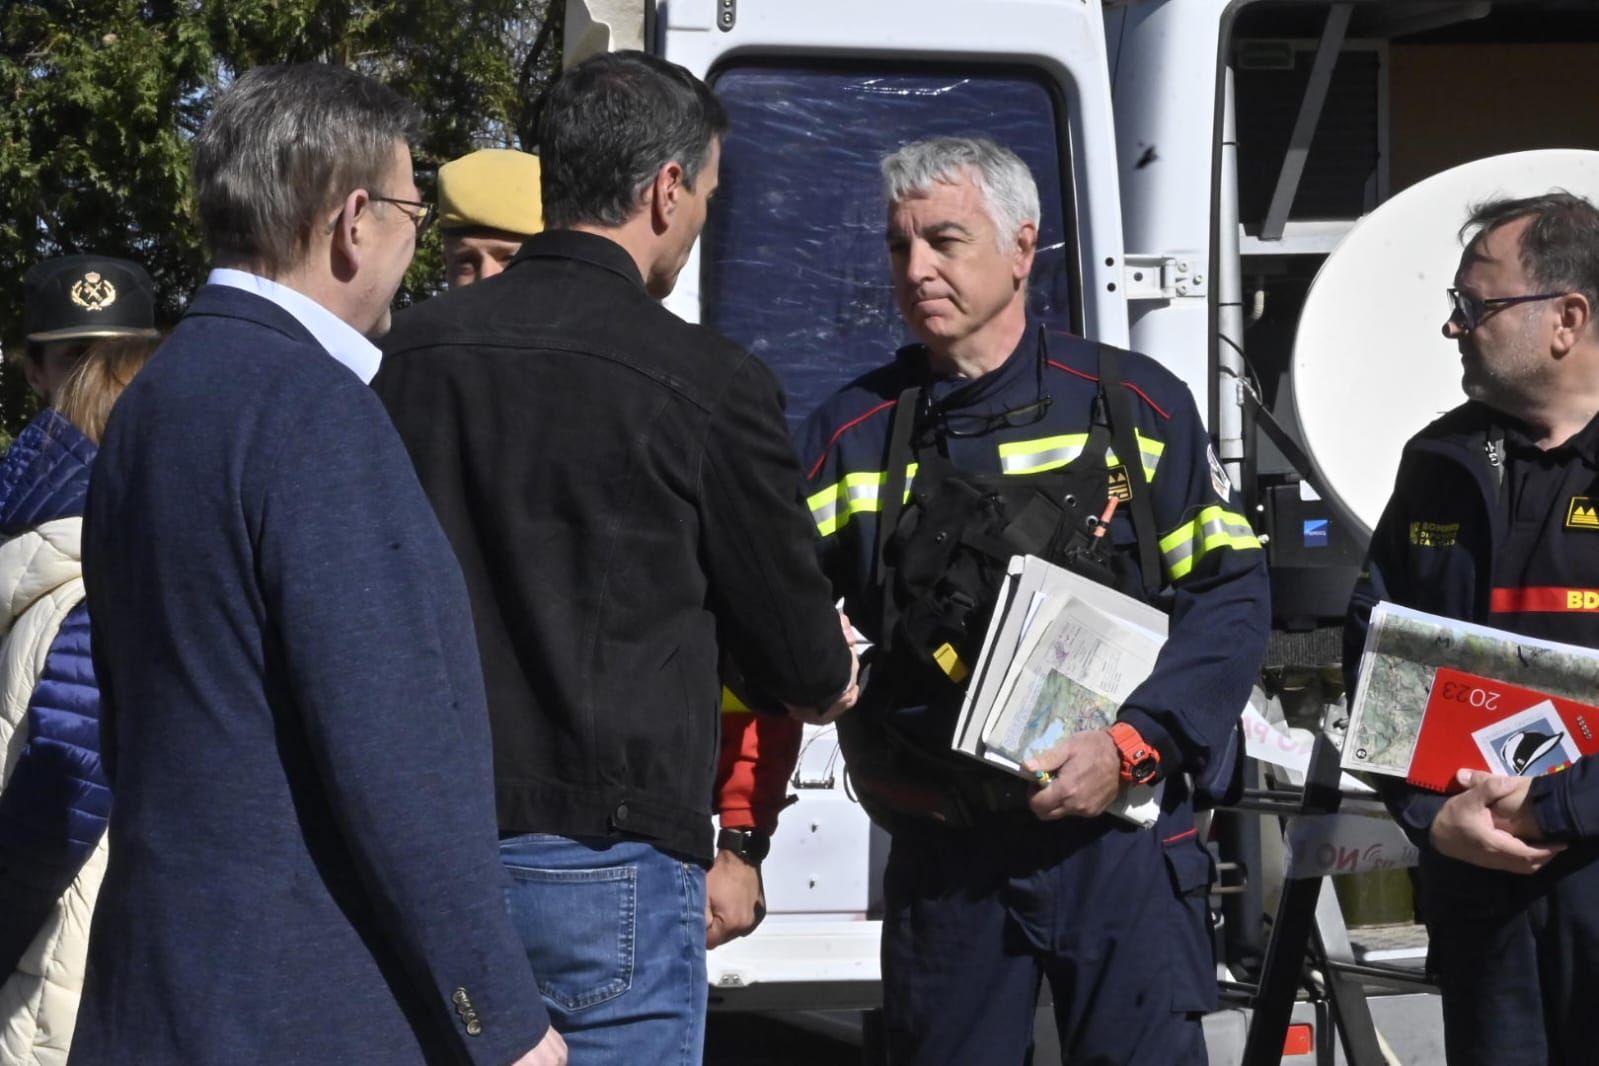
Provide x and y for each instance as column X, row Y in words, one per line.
column 621, row 491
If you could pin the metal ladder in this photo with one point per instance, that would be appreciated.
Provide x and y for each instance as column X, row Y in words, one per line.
column 1309, row 925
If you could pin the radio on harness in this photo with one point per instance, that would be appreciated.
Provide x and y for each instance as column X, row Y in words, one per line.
column 942, row 554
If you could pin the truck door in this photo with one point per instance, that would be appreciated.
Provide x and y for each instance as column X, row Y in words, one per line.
column 793, row 263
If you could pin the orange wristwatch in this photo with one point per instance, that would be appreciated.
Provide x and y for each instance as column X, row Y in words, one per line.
column 1140, row 761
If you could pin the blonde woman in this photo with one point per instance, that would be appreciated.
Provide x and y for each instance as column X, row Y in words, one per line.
column 54, row 800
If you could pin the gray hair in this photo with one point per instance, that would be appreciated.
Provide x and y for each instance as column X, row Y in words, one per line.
column 1008, row 188
column 283, row 146
column 1559, row 250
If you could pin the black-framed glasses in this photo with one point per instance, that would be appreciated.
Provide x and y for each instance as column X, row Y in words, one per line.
column 421, row 218
column 971, row 425
column 1469, row 310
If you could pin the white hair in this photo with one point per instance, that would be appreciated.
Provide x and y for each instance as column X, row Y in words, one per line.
column 1009, row 191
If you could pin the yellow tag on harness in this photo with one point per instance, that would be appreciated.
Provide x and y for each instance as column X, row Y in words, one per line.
column 1119, row 484
column 949, row 661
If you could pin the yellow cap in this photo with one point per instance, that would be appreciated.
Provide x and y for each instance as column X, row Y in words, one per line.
column 496, row 188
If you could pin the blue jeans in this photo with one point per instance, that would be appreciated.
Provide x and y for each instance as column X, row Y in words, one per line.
column 615, row 932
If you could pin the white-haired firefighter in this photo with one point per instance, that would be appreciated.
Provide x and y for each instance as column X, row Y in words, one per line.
column 995, row 436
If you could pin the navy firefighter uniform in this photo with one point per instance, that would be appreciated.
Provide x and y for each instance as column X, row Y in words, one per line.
column 982, row 899
column 1486, row 527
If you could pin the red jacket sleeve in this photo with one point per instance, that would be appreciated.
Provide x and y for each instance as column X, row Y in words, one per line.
column 759, row 752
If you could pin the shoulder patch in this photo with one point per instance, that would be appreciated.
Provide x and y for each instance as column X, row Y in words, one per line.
column 1580, row 514
column 1218, row 475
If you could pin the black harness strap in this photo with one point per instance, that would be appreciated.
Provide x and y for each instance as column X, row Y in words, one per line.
column 892, row 504
column 1125, row 441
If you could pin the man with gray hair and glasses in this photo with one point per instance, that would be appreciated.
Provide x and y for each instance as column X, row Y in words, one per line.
column 995, row 436
column 302, row 862
column 1504, row 490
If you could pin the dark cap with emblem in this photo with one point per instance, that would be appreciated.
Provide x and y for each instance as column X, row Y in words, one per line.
column 86, row 296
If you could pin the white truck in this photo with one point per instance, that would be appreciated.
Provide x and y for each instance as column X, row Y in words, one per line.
column 1261, row 194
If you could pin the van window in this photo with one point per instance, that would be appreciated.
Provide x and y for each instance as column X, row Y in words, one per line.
column 794, row 264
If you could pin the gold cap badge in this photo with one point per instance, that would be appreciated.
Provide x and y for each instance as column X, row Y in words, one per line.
column 93, row 292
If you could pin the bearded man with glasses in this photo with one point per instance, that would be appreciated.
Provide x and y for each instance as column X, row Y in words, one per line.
column 1493, row 521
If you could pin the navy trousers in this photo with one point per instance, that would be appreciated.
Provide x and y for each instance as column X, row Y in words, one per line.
column 1519, row 969
column 1114, row 917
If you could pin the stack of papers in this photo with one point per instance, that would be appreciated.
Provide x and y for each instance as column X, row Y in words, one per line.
column 1061, row 655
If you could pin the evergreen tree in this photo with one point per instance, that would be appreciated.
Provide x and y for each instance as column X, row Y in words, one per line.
column 100, row 101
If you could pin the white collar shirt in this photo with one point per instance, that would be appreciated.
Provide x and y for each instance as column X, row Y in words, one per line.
column 340, row 339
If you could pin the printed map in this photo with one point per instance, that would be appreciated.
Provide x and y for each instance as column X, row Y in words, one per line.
column 1404, row 650
column 1071, row 680
column 1053, row 708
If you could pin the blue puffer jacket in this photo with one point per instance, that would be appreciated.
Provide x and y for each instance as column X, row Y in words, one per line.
column 54, row 799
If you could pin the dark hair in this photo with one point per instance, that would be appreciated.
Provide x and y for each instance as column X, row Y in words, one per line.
column 282, row 147
column 1559, row 250
column 611, row 123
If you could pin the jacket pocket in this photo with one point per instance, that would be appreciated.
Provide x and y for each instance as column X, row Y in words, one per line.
column 1193, row 957
column 577, row 927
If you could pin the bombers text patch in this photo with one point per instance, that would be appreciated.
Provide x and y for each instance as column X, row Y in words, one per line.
column 1434, row 534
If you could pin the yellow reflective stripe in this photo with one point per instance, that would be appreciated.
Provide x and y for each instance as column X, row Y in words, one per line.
column 1151, row 450
column 731, row 704
column 834, row 506
column 1214, row 527
column 1051, row 453
column 1036, row 456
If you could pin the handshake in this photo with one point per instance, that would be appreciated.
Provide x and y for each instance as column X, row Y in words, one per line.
column 851, row 691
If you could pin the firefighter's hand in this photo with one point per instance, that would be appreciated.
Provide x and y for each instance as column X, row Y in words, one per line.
column 844, row 700
column 1512, row 812
column 1087, row 777
column 551, row 1051
column 1468, row 829
column 735, row 899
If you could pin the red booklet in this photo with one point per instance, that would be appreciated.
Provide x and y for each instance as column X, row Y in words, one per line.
column 1477, row 723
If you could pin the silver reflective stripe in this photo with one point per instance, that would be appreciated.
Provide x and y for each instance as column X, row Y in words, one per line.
column 1036, row 462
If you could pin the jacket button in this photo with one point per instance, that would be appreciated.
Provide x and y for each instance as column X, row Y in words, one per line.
column 459, row 998
column 620, row 814
column 474, row 1028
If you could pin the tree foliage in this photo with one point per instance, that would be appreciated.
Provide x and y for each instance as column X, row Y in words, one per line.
column 100, row 101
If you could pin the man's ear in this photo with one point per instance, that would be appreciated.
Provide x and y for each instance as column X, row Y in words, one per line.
column 664, row 192
column 1576, row 317
column 349, row 234
column 1026, row 248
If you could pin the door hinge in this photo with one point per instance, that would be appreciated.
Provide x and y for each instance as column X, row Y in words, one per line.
column 1163, row 277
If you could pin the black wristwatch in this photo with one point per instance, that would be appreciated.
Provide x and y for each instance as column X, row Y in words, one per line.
column 751, row 845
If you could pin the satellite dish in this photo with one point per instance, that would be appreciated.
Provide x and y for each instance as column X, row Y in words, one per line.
column 1371, row 365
